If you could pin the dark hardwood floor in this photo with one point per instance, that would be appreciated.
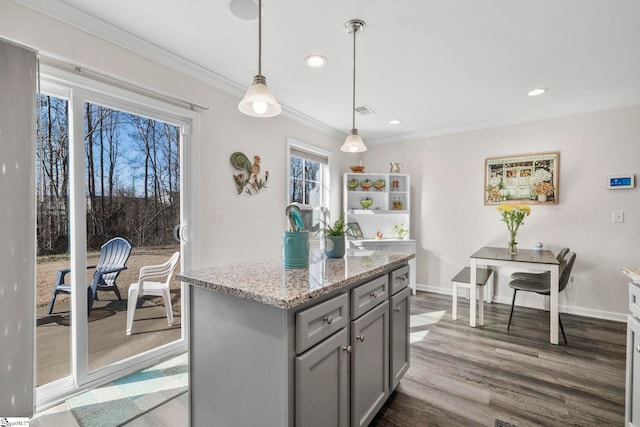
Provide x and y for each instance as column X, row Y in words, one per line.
column 463, row 376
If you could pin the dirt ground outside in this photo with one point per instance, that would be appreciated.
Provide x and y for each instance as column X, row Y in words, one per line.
column 48, row 266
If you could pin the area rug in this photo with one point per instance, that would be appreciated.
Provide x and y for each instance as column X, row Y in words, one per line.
column 116, row 403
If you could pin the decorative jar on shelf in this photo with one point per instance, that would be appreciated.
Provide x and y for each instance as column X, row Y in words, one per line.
column 353, row 184
column 365, row 203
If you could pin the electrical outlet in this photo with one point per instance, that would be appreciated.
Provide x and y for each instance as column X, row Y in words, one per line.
column 572, row 281
column 617, row 216
column 221, row 217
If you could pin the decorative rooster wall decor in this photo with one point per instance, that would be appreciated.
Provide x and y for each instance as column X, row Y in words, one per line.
column 249, row 179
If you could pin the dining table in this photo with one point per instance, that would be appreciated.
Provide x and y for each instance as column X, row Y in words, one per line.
column 528, row 259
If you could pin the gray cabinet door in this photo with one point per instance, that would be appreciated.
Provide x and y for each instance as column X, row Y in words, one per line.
column 369, row 364
column 633, row 372
column 322, row 383
column 399, row 336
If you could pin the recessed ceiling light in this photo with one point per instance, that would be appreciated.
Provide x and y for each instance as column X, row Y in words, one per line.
column 537, row 92
column 315, row 60
column 395, row 122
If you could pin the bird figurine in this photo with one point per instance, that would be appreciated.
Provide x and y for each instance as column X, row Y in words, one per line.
column 253, row 183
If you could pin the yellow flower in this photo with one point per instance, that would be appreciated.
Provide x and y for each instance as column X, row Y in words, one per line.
column 510, row 207
column 513, row 215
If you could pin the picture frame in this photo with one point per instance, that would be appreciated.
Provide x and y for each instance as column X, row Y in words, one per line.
column 356, row 231
column 522, row 179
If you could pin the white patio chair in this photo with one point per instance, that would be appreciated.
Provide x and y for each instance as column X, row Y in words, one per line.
column 146, row 287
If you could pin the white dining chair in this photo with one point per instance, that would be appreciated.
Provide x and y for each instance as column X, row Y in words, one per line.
column 146, row 287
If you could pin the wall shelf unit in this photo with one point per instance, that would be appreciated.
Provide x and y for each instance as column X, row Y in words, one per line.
column 378, row 202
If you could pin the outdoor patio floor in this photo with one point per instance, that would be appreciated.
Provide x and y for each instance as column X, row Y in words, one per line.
column 108, row 341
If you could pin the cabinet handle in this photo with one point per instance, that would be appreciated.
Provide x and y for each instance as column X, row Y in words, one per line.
column 347, row 349
column 328, row 319
column 360, row 338
column 373, row 295
column 402, row 278
column 396, row 309
column 638, row 348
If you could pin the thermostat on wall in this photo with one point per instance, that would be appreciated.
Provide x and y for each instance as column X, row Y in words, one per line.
column 616, row 182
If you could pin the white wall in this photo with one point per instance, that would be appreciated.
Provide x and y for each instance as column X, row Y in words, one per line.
column 255, row 223
column 450, row 221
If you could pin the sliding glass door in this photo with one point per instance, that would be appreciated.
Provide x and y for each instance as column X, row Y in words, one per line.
column 110, row 194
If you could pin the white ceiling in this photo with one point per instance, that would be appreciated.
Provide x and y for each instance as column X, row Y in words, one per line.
column 440, row 66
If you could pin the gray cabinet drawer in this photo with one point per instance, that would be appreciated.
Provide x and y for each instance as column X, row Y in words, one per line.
column 321, row 321
column 634, row 300
column 399, row 279
column 369, row 295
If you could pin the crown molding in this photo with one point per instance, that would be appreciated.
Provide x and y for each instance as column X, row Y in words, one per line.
column 565, row 111
column 87, row 23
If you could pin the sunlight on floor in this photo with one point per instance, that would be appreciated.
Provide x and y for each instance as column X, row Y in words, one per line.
column 420, row 321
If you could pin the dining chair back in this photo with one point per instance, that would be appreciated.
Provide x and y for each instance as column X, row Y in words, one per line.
column 523, row 275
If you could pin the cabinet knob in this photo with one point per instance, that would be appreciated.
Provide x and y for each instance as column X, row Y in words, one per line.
column 374, row 295
column 396, row 309
column 328, row 319
column 638, row 348
column 360, row 338
column 403, row 278
column 347, row 349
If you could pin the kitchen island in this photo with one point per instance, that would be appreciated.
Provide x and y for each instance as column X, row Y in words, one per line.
column 320, row 346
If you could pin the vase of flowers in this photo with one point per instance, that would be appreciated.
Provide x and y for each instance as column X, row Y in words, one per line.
column 513, row 215
column 400, row 231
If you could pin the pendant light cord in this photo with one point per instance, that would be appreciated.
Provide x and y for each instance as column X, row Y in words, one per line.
column 259, row 37
column 353, row 112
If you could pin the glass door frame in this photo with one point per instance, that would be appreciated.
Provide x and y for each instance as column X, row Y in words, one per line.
column 78, row 90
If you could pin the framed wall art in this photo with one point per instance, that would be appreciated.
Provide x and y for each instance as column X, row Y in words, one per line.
column 526, row 179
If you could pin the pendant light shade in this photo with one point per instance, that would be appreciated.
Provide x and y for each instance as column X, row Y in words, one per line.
column 259, row 100
column 354, row 142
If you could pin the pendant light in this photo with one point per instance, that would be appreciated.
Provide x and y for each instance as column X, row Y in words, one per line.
column 354, row 142
column 259, row 100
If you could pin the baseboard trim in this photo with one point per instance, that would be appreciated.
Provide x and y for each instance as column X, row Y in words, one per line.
column 569, row 309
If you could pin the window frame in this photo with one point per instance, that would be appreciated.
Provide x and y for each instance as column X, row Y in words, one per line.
column 313, row 215
column 77, row 90
column 293, row 144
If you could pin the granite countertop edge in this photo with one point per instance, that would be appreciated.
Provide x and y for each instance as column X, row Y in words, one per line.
column 632, row 273
column 292, row 302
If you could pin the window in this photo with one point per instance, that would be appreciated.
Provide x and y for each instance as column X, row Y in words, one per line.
column 309, row 182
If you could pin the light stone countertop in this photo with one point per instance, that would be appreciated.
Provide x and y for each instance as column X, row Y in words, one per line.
column 267, row 282
column 632, row 273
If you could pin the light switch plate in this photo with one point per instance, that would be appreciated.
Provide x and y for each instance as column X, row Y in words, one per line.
column 617, row 216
